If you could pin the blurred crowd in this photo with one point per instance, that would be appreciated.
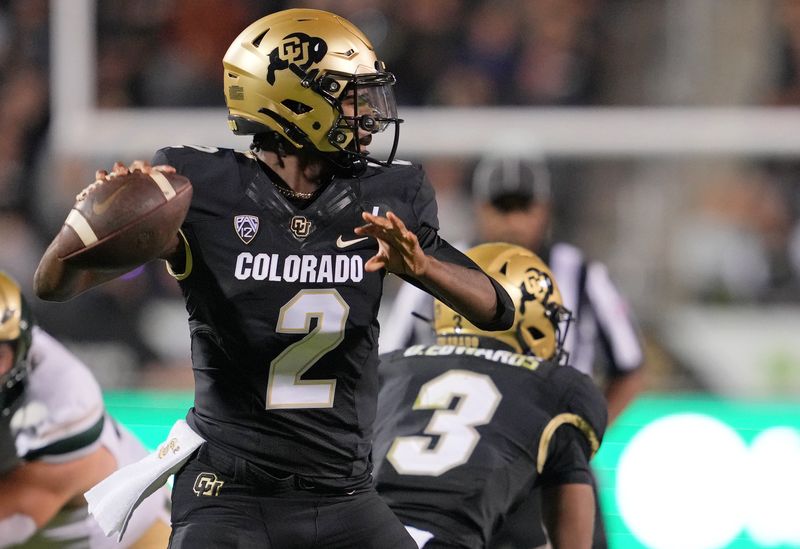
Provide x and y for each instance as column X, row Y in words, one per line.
column 448, row 52
column 736, row 239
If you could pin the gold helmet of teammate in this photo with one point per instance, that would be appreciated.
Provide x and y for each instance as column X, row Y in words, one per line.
column 16, row 327
column 291, row 71
column 541, row 320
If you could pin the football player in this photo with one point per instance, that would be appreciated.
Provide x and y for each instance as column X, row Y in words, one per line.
column 56, row 441
column 281, row 260
column 513, row 203
column 468, row 426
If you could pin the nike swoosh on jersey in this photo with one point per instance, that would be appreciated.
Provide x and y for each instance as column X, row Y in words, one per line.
column 341, row 243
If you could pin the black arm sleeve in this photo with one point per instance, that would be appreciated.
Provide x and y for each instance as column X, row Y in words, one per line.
column 160, row 157
column 434, row 245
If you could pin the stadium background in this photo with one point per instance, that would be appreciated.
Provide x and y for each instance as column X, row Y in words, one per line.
column 670, row 128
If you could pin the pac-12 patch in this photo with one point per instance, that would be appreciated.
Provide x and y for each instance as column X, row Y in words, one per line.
column 246, row 227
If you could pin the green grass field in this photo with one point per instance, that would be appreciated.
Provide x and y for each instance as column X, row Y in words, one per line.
column 151, row 414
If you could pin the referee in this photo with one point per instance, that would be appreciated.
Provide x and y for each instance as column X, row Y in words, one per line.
column 513, row 204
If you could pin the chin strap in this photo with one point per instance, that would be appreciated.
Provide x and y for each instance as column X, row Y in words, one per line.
column 291, row 130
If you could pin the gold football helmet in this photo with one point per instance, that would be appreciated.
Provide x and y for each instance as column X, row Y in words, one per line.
column 16, row 327
column 291, row 71
column 541, row 321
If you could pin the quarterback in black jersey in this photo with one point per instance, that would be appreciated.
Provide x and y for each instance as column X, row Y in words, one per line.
column 467, row 427
column 281, row 260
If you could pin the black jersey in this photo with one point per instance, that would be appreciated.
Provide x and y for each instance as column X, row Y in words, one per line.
column 282, row 313
column 463, row 434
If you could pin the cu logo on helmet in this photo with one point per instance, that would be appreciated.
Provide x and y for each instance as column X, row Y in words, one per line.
column 294, row 50
column 298, row 49
column 536, row 286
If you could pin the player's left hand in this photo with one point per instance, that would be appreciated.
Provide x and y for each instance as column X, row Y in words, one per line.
column 399, row 251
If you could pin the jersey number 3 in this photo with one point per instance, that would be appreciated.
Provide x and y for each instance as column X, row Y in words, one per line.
column 478, row 400
column 285, row 388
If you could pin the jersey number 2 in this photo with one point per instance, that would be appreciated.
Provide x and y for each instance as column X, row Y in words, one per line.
column 478, row 400
column 285, row 388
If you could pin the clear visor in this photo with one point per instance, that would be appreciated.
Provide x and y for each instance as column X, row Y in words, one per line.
column 368, row 102
column 376, row 102
column 367, row 108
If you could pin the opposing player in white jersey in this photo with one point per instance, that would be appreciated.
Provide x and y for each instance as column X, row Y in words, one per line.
column 57, row 441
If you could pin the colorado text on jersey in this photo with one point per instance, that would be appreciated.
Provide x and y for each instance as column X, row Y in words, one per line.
column 299, row 268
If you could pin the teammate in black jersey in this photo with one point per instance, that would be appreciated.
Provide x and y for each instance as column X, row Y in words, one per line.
column 468, row 426
column 513, row 202
column 281, row 260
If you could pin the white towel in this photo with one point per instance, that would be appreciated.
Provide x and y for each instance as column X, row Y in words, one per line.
column 113, row 501
column 420, row 536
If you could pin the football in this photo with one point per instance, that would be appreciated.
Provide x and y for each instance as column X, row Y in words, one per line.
column 124, row 221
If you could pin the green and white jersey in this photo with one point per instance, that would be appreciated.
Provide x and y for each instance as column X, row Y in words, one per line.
column 63, row 418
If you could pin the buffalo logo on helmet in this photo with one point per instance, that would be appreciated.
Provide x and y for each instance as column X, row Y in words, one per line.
column 536, row 286
column 297, row 48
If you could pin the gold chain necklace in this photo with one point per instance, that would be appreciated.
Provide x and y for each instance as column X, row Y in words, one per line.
column 285, row 191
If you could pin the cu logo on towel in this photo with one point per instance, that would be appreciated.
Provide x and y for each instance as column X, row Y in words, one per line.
column 170, row 446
